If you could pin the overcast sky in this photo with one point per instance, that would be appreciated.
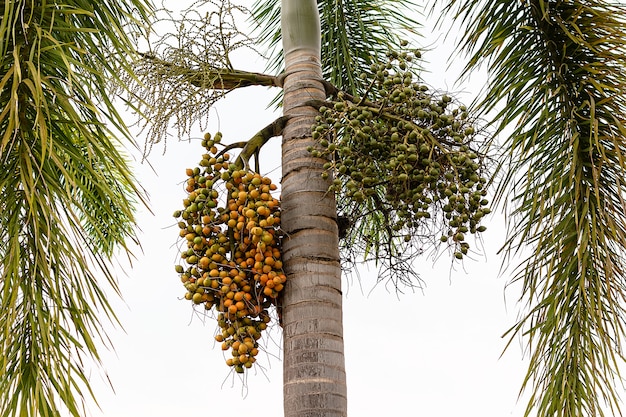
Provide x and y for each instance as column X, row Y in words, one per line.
column 434, row 353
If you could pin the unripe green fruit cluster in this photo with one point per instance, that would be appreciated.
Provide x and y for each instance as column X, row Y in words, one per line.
column 406, row 153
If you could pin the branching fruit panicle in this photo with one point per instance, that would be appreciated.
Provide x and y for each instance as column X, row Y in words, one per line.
column 230, row 227
column 406, row 166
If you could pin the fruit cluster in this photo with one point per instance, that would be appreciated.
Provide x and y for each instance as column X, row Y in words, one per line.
column 405, row 156
column 232, row 259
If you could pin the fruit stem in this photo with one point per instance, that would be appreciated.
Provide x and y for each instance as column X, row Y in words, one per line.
column 256, row 142
column 215, row 78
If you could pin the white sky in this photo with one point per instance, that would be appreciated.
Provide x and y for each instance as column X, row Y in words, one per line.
column 434, row 354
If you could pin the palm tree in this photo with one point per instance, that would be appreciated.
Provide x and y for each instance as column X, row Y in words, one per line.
column 67, row 196
column 566, row 151
column 564, row 158
column 314, row 368
column 314, row 378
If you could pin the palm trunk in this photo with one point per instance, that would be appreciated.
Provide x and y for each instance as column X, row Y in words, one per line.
column 314, row 368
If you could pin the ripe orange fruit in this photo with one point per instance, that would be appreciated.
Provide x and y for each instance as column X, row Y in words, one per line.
column 233, row 252
column 204, row 262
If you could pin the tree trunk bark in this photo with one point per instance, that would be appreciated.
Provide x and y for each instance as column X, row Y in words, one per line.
column 314, row 365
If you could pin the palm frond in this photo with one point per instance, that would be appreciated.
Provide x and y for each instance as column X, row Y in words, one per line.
column 358, row 33
column 559, row 68
column 67, row 197
column 355, row 34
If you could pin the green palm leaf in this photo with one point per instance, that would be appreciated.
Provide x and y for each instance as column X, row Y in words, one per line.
column 355, row 34
column 560, row 68
column 67, row 197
